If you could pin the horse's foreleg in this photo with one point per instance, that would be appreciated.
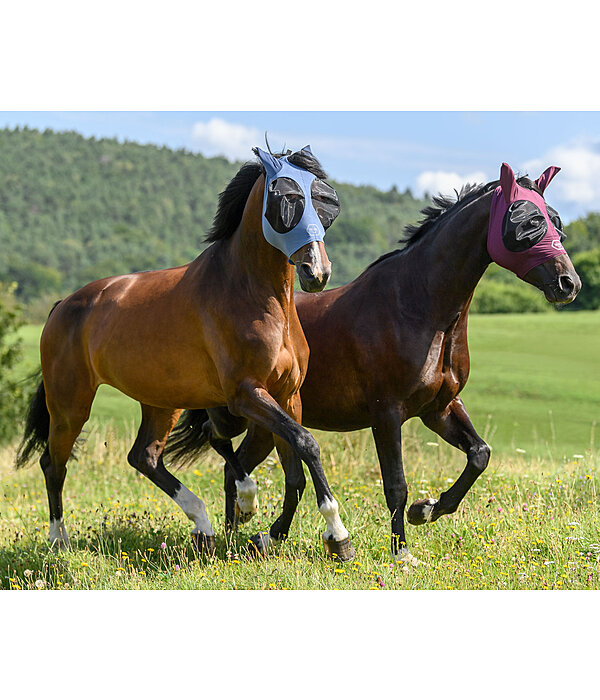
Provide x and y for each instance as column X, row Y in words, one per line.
column 295, row 483
column 387, row 432
column 146, row 457
column 455, row 427
column 258, row 406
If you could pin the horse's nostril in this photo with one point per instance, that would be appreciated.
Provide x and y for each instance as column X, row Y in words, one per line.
column 566, row 284
column 307, row 270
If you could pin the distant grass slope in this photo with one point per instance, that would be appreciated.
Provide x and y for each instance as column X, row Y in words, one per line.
column 537, row 377
column 534, row 384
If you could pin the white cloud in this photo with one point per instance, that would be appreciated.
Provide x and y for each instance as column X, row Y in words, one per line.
column 577, row 187
column 234, row 141
column 218, row 137
column 434, row 181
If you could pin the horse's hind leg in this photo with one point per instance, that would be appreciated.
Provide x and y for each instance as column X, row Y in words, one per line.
column 455, row 427
column 64, row 429
column 254, row 449
column 219, row 431
column 146, row 457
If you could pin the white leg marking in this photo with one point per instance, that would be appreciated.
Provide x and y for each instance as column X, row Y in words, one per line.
column 405, row 557
column 247, row 501
column 335, row 530
column 428, row 509
column 58, row 534
column 195, row 509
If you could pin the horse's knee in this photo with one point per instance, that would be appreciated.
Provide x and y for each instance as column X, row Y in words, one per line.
column 308, row 447
column 479, row 456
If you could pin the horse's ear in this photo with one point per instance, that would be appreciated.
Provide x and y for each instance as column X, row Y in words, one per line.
column 272, row 164
column 508, row 182
column 307, row 149
column 544, row 179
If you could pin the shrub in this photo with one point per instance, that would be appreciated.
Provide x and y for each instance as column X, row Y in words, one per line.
column 492, row 297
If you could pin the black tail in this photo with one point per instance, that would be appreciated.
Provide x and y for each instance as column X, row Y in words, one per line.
column 37, row 427
column 37, row 422
column 187, row 440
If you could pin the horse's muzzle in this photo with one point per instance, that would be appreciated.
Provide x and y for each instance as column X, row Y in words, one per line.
column 313, row 266
column 557, row 279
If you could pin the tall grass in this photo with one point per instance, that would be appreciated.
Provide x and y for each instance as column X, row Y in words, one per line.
column 528, row 523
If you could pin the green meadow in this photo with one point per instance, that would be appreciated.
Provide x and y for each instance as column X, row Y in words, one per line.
column 531, row 521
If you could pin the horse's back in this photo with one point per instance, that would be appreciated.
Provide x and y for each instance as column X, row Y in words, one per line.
column 125, row 331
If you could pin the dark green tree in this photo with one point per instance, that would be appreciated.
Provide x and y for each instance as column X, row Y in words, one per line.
column 12, row 392
column 588, row 268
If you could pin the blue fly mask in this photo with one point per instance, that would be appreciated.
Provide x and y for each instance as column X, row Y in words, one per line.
column 297, row 207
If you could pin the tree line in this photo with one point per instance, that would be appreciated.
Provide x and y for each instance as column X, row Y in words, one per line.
column 75, row 209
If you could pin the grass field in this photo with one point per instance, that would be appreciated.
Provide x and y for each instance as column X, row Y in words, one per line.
column 526, row 524
column 532, row 520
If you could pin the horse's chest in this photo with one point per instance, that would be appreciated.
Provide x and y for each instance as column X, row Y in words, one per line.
column 287, row 373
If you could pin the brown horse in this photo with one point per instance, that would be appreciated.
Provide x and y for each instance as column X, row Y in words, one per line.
column 222, row 330
column 392, row 345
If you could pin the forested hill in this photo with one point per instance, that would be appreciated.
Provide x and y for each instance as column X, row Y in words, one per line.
column 74, row 209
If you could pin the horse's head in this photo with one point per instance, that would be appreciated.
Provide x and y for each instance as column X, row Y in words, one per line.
column 298, row 207
column 525, row 236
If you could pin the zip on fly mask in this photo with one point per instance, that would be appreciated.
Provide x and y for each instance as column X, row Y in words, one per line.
column 523, row 232
column 298, row 207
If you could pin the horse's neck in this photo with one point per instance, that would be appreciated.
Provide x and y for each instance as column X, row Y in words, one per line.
column 452, row 258
column 264, row 269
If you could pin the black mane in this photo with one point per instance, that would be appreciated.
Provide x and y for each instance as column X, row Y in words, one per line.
column 447, row 204
column 232, row 199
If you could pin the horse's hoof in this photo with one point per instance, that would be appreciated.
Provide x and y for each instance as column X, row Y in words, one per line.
column 421, row 511
column 242, row 517
column 259, row 544
column 204, row 544
column 59, row 545
column 340, row 551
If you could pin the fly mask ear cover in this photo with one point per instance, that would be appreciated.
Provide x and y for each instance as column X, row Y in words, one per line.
column 288, row 205
column 521, row 234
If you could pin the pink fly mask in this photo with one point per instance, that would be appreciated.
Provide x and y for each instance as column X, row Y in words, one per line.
column 524, row 232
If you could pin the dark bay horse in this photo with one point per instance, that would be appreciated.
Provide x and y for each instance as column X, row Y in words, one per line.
column 222, row 330
column 392, row 344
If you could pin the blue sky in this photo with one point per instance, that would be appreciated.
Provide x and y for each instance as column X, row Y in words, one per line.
column 426, row 151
